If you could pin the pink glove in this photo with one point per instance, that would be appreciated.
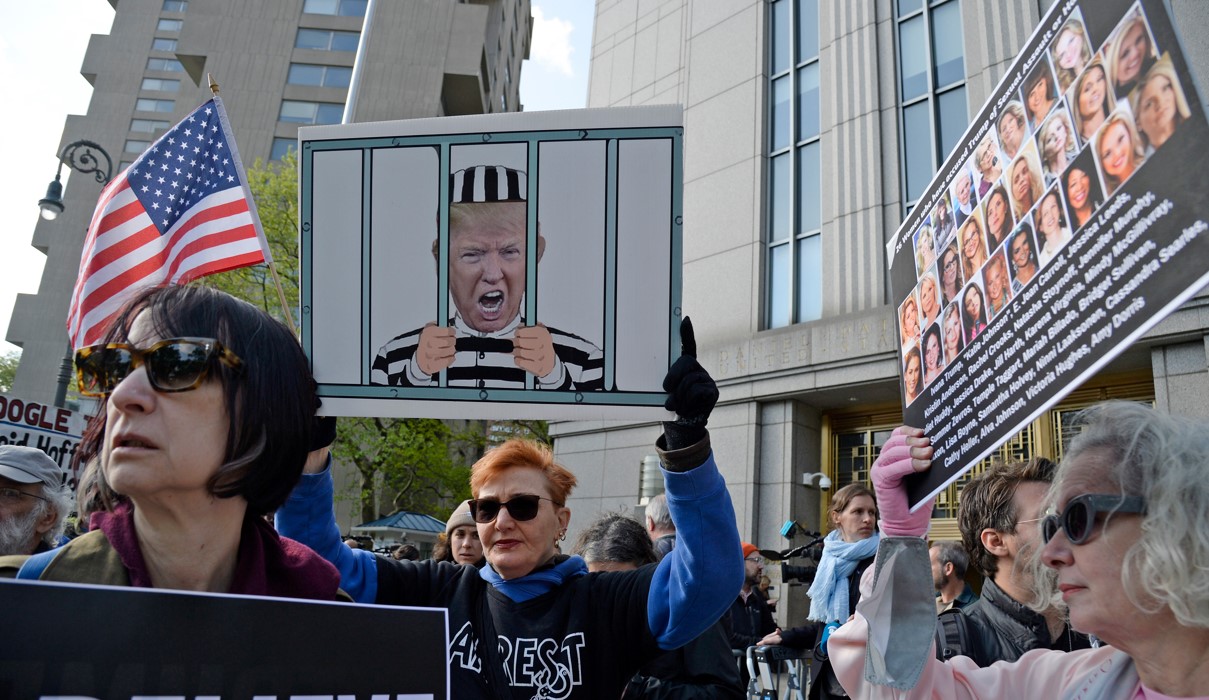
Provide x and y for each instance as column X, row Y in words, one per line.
column 907, row 451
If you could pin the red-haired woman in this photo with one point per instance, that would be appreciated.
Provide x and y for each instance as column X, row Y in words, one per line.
column 534, row 621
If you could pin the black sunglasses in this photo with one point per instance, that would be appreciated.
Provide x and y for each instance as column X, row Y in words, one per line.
column 1078, row 519
column 522, row 508
column 174, row 364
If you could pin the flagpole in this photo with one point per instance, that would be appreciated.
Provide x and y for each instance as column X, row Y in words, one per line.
column 285, row 307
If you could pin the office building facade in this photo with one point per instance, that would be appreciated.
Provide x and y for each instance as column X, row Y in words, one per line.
column 280, row 64
column 810, row 128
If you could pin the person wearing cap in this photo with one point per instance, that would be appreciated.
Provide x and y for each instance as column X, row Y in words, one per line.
column 488, row 344
column 34, row 500
column 750, row 616
column 460, row 543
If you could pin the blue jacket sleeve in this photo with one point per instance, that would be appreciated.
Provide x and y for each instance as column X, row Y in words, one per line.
column 697, row 581
column 309, row 518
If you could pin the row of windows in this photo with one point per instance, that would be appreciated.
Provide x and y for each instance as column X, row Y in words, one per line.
column 148, row 126
column 319, row 76
column 146, row 104
column 326, row 40
column 794, row 263
column 168, row 65
column 932, row 116
column 161, row 84
column 341, row 8
column 931, row 87
column 305, row 112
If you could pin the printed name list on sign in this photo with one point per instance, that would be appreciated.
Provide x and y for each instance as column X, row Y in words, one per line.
column 1069, row 220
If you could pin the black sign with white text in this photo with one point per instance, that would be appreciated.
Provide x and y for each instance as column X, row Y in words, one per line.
column 1066, row 223
column 63, row 640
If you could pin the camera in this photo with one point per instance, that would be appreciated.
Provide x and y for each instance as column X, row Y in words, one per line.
column 813, row 552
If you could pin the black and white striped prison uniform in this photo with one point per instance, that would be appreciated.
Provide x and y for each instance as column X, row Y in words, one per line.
column 484, row 360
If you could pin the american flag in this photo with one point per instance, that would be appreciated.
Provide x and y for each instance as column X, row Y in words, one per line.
column 181, row 211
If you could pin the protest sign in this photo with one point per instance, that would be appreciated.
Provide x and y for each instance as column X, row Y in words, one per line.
column 55, row 431
column 1068, row 221
column 64, row 640
column 501, row 266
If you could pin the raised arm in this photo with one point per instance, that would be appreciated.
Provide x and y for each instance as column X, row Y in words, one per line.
column 886, row 650
column 309, row 518
column 696, row 582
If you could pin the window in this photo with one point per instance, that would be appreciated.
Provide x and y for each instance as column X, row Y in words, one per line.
column 931, row 88
column 161, row 84
column 136, row 146
column 321, row 76
column 169, row 65
column 343, row 8
column 147, row 105
column 169, row 25
column 148, row 126
column 794, row 264
column 300, row 112
column 282, row 146
column 163, row 44
column 503, row 102
column 325, row 40
column 175, row 5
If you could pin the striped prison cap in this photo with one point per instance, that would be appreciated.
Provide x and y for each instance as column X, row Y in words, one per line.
column 487, row 183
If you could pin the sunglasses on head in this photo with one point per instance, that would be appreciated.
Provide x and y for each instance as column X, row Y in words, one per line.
column 485, row 510
column 174, row 364
column 1078, row 518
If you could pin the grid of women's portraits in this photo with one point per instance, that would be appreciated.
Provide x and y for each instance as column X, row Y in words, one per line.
column 1084, row 120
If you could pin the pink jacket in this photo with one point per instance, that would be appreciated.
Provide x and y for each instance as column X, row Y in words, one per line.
column 1104, row 673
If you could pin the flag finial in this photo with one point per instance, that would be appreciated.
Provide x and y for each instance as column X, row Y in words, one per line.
column 213, row 85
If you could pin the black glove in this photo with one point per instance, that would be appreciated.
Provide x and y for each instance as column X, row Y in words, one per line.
column 323, row 432
column 323, row 428
column 691, row 393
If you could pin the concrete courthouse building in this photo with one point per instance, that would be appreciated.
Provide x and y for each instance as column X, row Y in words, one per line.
column 810, row 128
column 280, row 64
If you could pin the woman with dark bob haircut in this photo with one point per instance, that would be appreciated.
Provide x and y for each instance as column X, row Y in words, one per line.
column 534, row 622
column 205, row 414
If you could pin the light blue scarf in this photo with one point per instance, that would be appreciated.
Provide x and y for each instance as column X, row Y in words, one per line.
column 538, row 582
column 829, row 592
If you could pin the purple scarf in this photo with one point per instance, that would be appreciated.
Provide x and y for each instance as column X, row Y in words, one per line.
column 267, row 564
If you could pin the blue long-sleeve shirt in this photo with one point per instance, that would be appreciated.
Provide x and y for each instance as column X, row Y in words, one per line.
column 687, row 591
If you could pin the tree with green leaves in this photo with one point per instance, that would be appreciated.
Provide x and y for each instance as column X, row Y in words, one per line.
column 8, row 370
column 417, row 464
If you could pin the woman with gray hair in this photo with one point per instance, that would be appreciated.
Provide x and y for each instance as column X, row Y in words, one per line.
column 1126, row 542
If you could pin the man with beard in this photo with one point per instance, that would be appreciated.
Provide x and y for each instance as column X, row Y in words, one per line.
column 487, row 344
column 999, row 516
column 750, row 617
column 34, row 500
column 949, row 562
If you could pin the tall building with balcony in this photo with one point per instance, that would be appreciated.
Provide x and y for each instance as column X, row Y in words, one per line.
column 811, row 129
column 280, row 64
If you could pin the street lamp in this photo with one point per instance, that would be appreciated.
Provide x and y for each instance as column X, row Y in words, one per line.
column 81, row 156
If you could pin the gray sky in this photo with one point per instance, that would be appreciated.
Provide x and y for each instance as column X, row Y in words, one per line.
column 43, row 46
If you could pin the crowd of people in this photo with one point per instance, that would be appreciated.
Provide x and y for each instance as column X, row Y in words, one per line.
column 206, row 469
column 1095, row 571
